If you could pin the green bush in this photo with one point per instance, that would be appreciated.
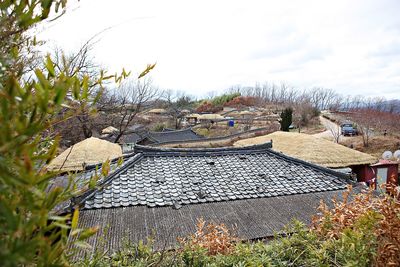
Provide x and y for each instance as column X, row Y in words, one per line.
column 221, row 100
column 159, row 127
column 31, row 234
column 286, row 119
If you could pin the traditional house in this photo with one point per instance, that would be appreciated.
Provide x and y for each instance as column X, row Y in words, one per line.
column 87, row 152
column 210, row 117
column 315, row 150
column 169, row 135
column 192, row 118
column 162, row 192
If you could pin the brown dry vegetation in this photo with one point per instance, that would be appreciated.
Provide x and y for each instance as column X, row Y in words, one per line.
column 377, row 144
column 365, row 212
column 314, row 126
column 215, row 238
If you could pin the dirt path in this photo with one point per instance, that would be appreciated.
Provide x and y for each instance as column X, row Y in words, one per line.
column 330, row 127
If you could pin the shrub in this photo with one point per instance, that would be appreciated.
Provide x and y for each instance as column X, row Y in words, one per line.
column 207, row 106
column 240, row 101
column 372, row 221
column 214, row 238
column 286, row 119
column 159, row 127
column 221, row 100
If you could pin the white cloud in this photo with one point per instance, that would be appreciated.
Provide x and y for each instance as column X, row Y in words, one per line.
column 209, row 45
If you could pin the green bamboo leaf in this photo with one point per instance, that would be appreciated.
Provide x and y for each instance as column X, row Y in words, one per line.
column 50, row 66
column 60, row 95
column 88, row 233
column 85, row 86
column 75, row 217
column 120, row 161
column 147, row 70
column 105, row 168
column 58, row 218
column 82, row 245
column 42, row 79
column 76, row 88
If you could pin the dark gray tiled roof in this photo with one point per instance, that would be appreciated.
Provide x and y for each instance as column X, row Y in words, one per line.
column 174, row 135
column 81, row 178
column 133, row 138
column 176, row 177
column 251, row 218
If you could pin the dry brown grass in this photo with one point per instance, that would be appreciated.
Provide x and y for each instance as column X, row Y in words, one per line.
column 331, row 223
column 313, row 127
column 87, row 152
column 311, row 149
column 377, row 144
column 215, row 238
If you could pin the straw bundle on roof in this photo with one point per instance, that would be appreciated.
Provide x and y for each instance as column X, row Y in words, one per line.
column 210, row 117
column 246, row 112
column 87, row 152
column 157, row 111
column 193, row 115
column 109, row 130
column 311, row 149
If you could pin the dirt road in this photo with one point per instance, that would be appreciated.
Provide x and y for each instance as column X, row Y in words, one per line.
column 331, row 130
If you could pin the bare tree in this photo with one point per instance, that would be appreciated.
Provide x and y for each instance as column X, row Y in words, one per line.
column 175, row 102
column 82, row 64
column 335, row 131
column 132, row 96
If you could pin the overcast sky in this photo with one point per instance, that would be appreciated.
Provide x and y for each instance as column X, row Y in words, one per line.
column 200, row 46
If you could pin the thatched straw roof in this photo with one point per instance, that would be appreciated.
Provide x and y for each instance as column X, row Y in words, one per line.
column 87, row 152
column 157, row 111
column 193, row 115
column 211, row 117
column 109, row 130
column 246, row 112
column 312, row 149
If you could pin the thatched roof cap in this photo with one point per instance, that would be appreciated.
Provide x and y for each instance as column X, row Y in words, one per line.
column 193, row 115
column 109, row 130
column 87, row 152
column 312, row 149
column 211, row 117
column 157, row 111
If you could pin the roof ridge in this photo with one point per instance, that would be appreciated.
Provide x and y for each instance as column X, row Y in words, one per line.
column 173, row 131
column 152, row 149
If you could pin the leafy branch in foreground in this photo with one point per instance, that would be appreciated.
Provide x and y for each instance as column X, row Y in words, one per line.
column 30, row 232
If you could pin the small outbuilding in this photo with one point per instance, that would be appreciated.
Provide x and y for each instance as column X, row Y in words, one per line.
column 383, row 172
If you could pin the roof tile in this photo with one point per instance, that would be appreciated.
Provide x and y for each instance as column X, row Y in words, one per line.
column 160, row 178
